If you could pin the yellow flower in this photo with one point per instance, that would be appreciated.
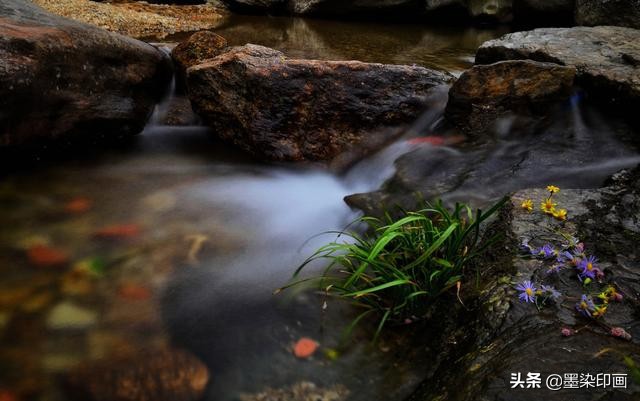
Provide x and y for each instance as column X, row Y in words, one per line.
column 548, row 206
column 527, row 205
column 553, row 189
column 560, row 214
column 600, row 310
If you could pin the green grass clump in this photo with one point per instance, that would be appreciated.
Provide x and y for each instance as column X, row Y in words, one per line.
column 401, row 265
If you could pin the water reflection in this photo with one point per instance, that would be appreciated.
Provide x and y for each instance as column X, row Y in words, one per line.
column 442, row 48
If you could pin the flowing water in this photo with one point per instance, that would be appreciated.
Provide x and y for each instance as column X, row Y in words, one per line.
column 179, row 239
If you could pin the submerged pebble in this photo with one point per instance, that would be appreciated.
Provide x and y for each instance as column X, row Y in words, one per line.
column 67, row 315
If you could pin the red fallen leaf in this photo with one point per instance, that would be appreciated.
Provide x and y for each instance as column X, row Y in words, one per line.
column 431, row 140
column 134, row 292
column 118, row 231
column 437, row 140
column 78, row 205
column 45, row 256
column 6, row 395
column 305, row 347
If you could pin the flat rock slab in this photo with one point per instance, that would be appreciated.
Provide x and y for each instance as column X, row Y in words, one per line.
column 607, row 58
column 64, row 79
column 306, row 110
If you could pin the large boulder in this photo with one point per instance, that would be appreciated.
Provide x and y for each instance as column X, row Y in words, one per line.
column 64, row 79
column 608, row 12
column 607, row 58
column 485, row 93
column 306, row 110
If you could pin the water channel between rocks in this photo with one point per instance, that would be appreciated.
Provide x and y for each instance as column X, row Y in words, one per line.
column 207, row 234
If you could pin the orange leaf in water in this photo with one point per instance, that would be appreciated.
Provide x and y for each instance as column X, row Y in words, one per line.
column 45, row 256
column 6, row 395
column 118, row 231
column 305, row 347
column 134, row 292
column 78, row 205
column 437, row 140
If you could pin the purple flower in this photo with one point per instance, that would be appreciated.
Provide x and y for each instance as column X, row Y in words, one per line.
column 585, row 306
column 524, row 245
column 567, row 332
column 528, row 291
column 548, row 252
column 588, row 268
column 551, row 291
column 555, row 268
column 578, row 250
column 569, row 259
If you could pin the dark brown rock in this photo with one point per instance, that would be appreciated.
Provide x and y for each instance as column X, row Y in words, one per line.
column 606, row 57
column 608, row 12
column 64, row 79
column 199, row 47
column 161, row 375
column 486, row 92
column 284, row 109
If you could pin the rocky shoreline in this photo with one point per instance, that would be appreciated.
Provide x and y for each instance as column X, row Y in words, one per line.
column 138, row 19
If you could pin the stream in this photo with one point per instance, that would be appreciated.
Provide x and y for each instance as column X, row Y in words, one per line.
column 178, row 238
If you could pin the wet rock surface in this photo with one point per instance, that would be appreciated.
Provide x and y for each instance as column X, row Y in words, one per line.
column 167, row 374
column 520, row 88
column 511, row 336
column 606, row 58
column 61, row 79
column 138, row 19
column 306, row 110
column 199, row 47
column 608, row 12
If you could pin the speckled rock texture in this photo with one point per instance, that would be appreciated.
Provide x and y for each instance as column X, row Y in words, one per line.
column 63, row 80
column 607, row 58
column 306, row 110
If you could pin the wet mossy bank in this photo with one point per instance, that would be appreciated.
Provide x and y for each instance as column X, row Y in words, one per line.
column 488, row 334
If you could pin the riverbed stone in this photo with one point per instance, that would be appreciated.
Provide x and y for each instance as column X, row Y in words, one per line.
column 306, row 110
column 64, row 80
column 608, row 12
column 69, row 316
column 485, row 93
column 606, row 58
column 154, row 375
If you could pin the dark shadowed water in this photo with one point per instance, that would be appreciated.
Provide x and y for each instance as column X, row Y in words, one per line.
column 180, row 239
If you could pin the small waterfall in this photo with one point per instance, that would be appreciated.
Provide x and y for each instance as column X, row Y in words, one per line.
column 162, row 108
